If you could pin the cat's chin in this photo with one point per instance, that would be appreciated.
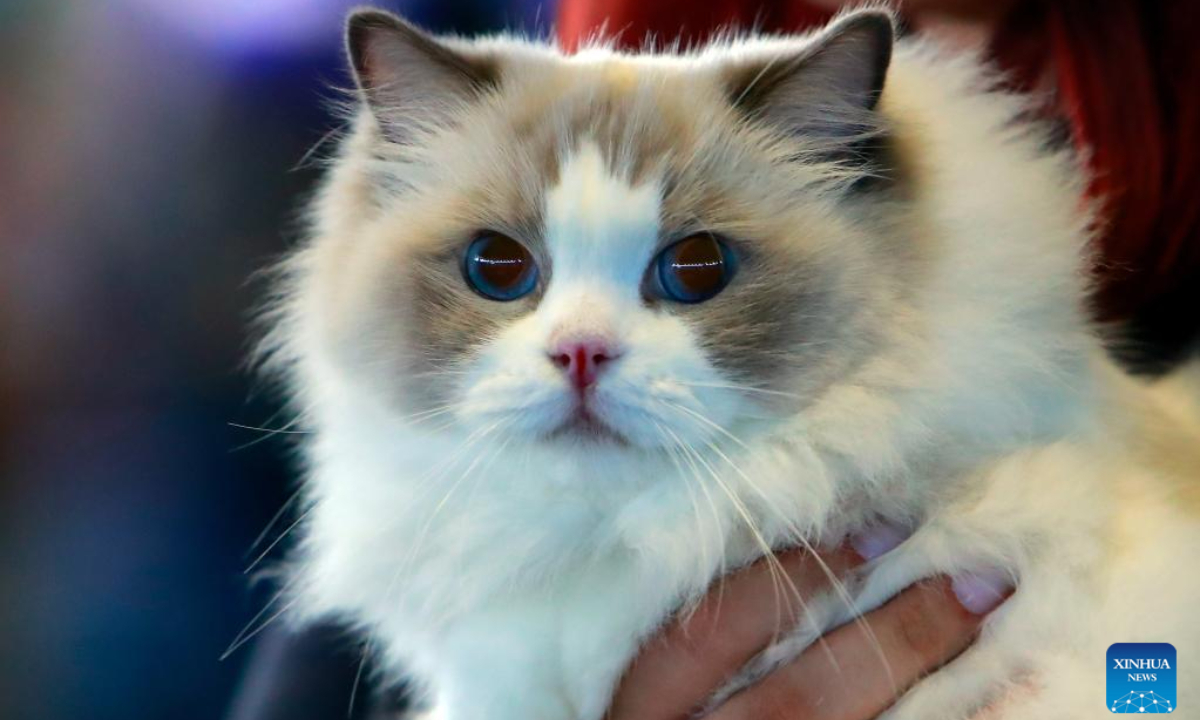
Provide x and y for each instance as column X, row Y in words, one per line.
column 586, row 428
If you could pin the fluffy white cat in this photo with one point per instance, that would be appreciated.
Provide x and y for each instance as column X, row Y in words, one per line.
column 577, row 334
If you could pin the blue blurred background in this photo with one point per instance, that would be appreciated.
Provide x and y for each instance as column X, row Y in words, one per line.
column 150, row 163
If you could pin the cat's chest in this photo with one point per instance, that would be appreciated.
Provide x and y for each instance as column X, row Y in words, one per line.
column 392, row 521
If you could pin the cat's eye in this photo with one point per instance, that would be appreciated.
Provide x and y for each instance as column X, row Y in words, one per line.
column 694, row 269
column 499, row 268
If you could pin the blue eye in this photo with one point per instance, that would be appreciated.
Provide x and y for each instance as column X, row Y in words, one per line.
column 499, row 268
column 694, row 269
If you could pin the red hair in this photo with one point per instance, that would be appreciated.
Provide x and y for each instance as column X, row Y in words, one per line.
column 1127, row 75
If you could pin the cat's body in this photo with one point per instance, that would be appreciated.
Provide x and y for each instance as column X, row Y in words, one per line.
column 903, row 339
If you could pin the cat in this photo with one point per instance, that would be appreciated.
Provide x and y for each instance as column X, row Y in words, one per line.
column 576, row 334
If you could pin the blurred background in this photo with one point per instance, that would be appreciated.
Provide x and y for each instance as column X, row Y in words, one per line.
column 153, row 157
column 150, row 163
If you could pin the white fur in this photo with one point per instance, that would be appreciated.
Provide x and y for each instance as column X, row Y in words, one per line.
column 517, row 579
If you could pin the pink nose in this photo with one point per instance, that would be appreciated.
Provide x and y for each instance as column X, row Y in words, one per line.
column 581, row 359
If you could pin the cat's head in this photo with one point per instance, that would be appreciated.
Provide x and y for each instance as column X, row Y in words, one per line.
column 637, row 250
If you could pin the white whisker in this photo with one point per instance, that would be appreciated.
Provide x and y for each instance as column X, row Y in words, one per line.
column 418, row 544
column 258, row 541
column 245, row 637
column 836, row 584
column 274, row 543
column 742, row 388
column 269, row 431
column 674, row 455
column 778, row 575
column 358, row 673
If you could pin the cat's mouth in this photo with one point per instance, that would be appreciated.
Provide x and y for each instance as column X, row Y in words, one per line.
column 584, row 425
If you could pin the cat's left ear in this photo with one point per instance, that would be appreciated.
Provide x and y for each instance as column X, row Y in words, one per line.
column 410, row 79
column 828, row 88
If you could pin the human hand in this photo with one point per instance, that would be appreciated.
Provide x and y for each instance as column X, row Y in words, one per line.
column 842, row 677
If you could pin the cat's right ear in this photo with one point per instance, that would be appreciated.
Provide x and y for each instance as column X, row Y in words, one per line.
column 410, row 80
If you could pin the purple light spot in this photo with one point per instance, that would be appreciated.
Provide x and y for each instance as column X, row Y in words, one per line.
column 241, row 25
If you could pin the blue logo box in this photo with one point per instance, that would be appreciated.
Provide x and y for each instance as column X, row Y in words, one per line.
column 1141, row 678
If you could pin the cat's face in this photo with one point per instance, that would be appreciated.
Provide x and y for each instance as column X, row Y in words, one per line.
column 639, row 252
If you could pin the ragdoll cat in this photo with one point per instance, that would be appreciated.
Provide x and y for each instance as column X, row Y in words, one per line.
column 577, row 334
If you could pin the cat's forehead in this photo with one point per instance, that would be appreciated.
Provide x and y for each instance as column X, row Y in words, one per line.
column 600, row 224
column 569, row 158
column 639, row 117
column 581, row 142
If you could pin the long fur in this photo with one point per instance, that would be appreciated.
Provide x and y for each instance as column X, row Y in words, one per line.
column 962, row 390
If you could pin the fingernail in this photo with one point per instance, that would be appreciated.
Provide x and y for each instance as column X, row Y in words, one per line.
column 877, row 540
column 980, row 593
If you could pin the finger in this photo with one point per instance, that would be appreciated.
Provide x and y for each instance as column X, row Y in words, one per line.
column 857, row 676
column 682, row 667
